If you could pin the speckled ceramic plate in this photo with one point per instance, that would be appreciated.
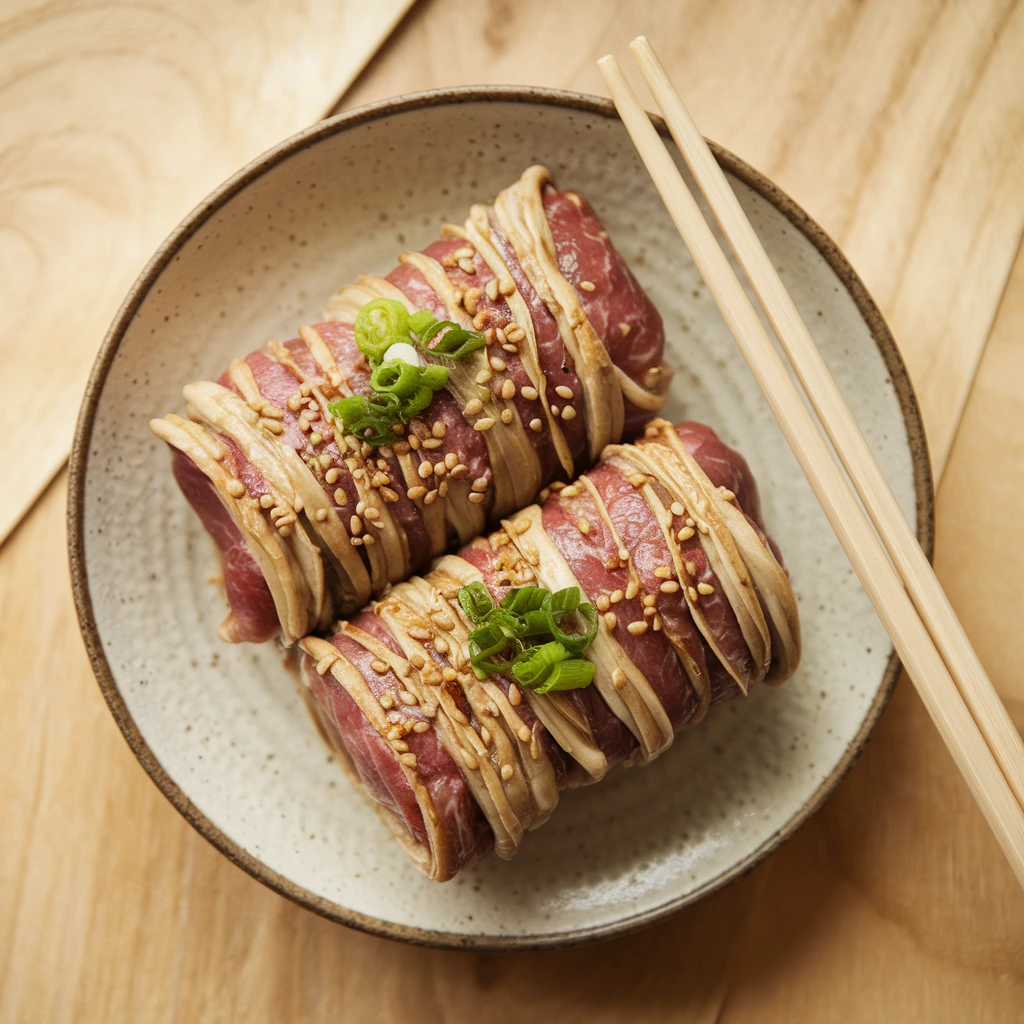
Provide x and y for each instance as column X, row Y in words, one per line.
column 223, row 731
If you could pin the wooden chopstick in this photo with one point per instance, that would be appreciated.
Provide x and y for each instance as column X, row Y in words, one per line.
column 827, row 401
column 862, row 545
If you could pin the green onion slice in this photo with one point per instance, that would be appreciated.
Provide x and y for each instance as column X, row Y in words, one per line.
column 571, row 674
column 476, row 602
column 379, row 324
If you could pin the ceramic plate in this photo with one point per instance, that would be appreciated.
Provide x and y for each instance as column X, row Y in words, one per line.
column 223, row 730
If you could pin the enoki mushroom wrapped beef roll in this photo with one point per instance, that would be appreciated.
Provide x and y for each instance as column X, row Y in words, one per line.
column 586, row 632
column 427, row 404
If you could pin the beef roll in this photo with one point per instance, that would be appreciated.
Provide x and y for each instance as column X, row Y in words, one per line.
column 427, row 404
column 587, row 631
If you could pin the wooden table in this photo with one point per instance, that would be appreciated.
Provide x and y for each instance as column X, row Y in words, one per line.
column 900, row 127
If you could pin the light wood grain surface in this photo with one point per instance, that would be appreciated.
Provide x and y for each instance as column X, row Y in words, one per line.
column 115, row 120
column 901, row 128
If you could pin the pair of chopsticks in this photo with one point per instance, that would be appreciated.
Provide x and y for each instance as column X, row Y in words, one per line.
column 906, row 594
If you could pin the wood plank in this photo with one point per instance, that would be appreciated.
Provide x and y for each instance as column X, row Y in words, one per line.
column 893, row 901
column 114, row 122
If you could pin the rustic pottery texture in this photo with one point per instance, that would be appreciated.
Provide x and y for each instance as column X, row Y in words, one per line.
column 223, row 729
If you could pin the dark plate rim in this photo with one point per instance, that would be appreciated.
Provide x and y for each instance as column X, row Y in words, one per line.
column 80, row 462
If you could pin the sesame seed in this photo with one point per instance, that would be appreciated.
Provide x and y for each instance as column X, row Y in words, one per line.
column 602, row 603
column 448, row 674
column 588, row 286
column 637, row 479
column 484, row 423
column 285, row 530
column 623, row 555
column 467, row 266
column 677, row 509
column 266, row 501
column 663, row 572
column 521, row 525
column 432, row 443
column 616, row 596
column 387, row 701
column 315, row 439
column 529, row 393
column 690, row 567
column 564, row 392
column 441, row 645
column 691, row 593
column 451, row 460
column 372, row 513
column 610, row 619
column 524, row 734
column 637, row 628
column 294, row 401
column 685, row 533
column 618, row 678
column 406, row 697
column 415, row 493
column 705, row 588
column 389, row 495
column 421, row 727
column 414, row 442
column 461, row 470
column 510, row 348
column 331, row 476
column 356, row 542
column 515, row 333
column 554, row 409
column 497, row 363
column 507, row 416
column 669, row 587
column 514, row 696
column 360, row 507
column 483, row 376
column 355, row 525
column 632, row 589
column 507, row 287
column 492, row 289
column 430, row 497
column 272, row 425
column 476, row 498
column 584, row 525
column 485, row 735
column 417, row 660
column 368, row 540
column 439, row 429
column 472, row 407
column 325, row 460
column 479, row 484
column 506, row 772
column 380, row 479
column 571, row 491
column 408, row 759
column 442, row 488
column 440, row 469
column 320, row 515
column 656, row 623
column 508, row 390
column 425, row 470
column 690, row 522
column 464, row 252
column 235, row 488
column 536, row 425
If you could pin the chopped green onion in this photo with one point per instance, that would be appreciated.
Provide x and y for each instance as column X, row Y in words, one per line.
column 476, row 602
column 379, row 325
column 420, row 321
column 526, row 599
column 537, row 667
column 397, row 377
column 571, row 674
column 523, row 636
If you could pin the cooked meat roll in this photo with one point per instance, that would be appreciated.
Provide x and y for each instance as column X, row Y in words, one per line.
column 586, row 632
column 546, row 350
